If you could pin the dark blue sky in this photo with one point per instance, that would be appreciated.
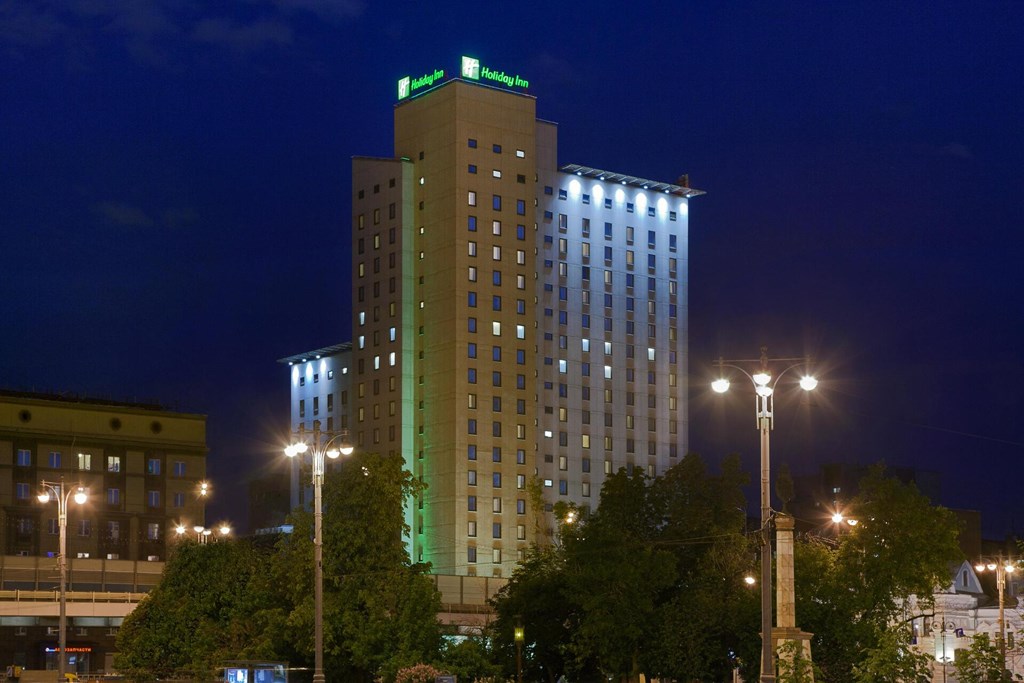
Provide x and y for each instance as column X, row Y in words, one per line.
column 175, row 175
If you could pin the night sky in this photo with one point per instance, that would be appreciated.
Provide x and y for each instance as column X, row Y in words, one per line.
column 175, row 178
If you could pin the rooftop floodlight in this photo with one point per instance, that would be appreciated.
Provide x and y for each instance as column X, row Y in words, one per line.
column 808, row 383
column 720, row 386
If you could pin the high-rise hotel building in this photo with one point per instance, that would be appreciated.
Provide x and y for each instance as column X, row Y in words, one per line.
column 519, row 326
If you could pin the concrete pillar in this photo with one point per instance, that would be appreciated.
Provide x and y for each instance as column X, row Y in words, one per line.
column 785, row 593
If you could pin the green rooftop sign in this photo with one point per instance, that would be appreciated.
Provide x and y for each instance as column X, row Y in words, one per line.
column 408, row 86
column 471, row 69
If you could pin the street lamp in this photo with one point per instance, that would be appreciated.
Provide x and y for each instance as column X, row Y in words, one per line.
column 764, row 391
column 57, row 491
column 1001, row 568
column 520, row 635
column 330, row 445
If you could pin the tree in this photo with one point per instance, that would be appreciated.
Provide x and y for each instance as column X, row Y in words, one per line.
column 710, row 622
column 981, row 662
column 893, row 660
column 380, row 609
column 850, row 595
column 537, row 598
column 197, row 616
column 227, row 601
column 617, row 577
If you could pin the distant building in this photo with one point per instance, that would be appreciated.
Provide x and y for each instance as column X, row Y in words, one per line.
column 141, row 465
column 320, row 381
column 964, row 608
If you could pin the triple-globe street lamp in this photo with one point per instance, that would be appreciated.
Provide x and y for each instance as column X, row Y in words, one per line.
column 764, row 384
column 62, row 494
column 320, row 445
column 1001, row 567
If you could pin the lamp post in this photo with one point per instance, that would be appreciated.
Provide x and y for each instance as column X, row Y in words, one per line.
column 57, row 491
column 764, row 390
column 1001, row 568
column 520, row 635
column 321, row 445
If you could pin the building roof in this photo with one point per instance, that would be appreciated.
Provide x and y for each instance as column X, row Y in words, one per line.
column 610, row 176
column 332, row 350
column 70, row 397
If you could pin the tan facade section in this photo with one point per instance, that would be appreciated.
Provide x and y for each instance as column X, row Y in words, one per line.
column 141, row 465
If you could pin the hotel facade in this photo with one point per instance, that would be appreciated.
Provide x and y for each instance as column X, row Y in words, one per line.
column 519, row 325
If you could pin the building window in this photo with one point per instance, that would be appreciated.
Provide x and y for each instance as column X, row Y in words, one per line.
column 52, row 527
column 153, row 499
column 472, row 143
column 113, row 496
column 54, row 459
column 471, row 503
column 113, row 530
column 113, row 463
column 153, row 466
column 23, row 458
column 22, row 491
column 153, row 531
column 471, row 529
column 471, row 555
column 85, row 527
column 179, row 468
column 496, row 530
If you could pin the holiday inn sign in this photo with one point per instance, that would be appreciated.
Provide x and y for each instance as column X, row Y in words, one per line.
column 471, row 69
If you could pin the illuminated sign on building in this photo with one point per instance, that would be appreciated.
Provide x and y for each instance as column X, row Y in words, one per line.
column 471, row 69
column 474, row 70
column 408, row 86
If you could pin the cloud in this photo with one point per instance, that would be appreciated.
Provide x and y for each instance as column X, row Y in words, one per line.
column 29, row 25
column 557, row 71
column 956, row 150
column 325, row 9
column 242, row 38
column 179, row 217
column 151, row 30
column 123, row 215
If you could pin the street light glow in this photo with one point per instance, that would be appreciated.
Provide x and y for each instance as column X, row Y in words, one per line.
column 837, row 517
column 764, row 391
column 720, row 386
column 81, row 496
column 761, row 378
column 808, row 383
